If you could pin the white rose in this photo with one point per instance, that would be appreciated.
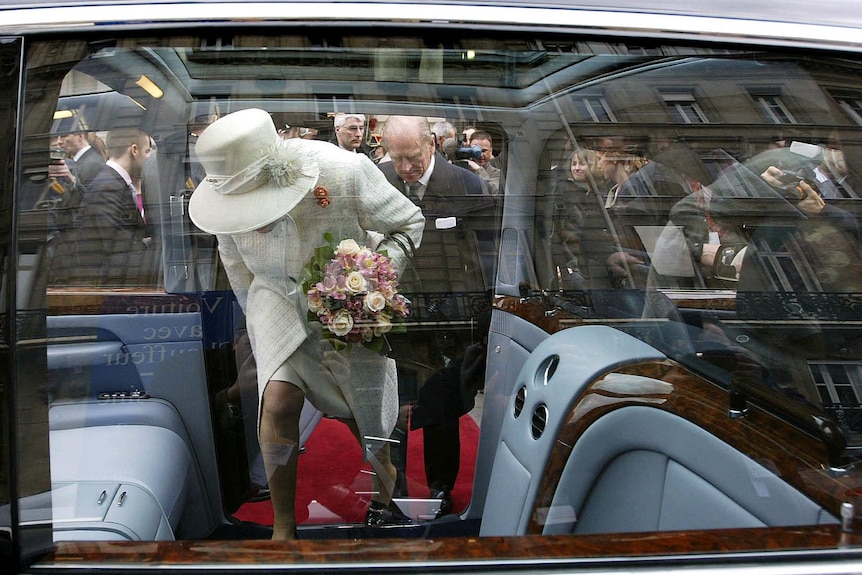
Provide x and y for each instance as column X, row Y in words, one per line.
column 355, row 282
column 383, row 325
column 315, row 303
column 367, row 333
column 374, row 301
column 342, row 323
column 387, row 290
column 347, row 247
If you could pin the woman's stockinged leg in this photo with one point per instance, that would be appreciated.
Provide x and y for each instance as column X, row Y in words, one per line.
column 279, row 444
column 377, row 452
column 383, row 480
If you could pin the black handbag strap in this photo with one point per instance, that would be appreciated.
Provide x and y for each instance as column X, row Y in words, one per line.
column 405, row 243
column 396, row 237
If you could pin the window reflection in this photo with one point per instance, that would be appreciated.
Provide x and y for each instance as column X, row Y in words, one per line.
column 718, row 225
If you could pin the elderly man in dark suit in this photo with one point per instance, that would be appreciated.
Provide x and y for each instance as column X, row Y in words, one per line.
column 430, row 374
column 449, row 197
column 417, row 169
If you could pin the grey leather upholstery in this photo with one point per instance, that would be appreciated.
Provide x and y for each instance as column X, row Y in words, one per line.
column 643, row 469
column 510, row 342
column 576, row 356
column 635, row 469
column 115, row 446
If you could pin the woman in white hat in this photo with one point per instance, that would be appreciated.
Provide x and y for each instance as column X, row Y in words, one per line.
column 269, row 201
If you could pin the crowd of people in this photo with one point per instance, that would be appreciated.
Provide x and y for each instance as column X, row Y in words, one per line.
column 96, row 197
column 620, row 215
column 773, row 224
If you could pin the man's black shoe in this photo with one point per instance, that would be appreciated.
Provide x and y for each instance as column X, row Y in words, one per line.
column 380, row 515
column 445, row 498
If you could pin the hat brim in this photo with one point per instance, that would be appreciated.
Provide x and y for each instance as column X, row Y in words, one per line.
column 216, row 213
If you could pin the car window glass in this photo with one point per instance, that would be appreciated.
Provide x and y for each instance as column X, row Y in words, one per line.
column 691, row 209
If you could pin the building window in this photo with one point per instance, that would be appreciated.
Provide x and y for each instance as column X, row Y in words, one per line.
column 684, row 107
column 786, row 267
column 772, row 107
column 839, row 385
column 851, row 104
column 594, row 109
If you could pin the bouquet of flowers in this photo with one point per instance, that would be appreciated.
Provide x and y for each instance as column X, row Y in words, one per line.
column 353, row 292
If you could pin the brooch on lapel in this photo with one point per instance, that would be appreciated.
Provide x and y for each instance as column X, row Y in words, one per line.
column 321, row 194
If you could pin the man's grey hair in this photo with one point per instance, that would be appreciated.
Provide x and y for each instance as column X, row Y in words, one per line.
column 341, row 118
column 444, row 130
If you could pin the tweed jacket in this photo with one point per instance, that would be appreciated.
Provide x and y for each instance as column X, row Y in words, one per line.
column 264, row 269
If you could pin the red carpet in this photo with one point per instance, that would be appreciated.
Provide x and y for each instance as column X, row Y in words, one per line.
column 329, row 476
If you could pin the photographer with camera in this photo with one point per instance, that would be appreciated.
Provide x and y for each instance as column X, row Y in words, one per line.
column 475, row 156
column 73, row 163
column 86, row 159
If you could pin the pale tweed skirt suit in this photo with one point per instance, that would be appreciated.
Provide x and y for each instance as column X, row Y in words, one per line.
column 265, row 269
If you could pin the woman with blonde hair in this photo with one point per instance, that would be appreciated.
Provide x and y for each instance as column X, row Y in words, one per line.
column 578, row 236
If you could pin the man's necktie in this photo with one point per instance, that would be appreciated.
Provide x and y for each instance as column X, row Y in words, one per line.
column 413, row 191
column 139, row 201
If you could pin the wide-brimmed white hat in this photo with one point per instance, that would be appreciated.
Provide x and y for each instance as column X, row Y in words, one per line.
column 254, row 176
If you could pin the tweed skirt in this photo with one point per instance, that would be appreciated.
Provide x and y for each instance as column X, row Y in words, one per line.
column 354, row 383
